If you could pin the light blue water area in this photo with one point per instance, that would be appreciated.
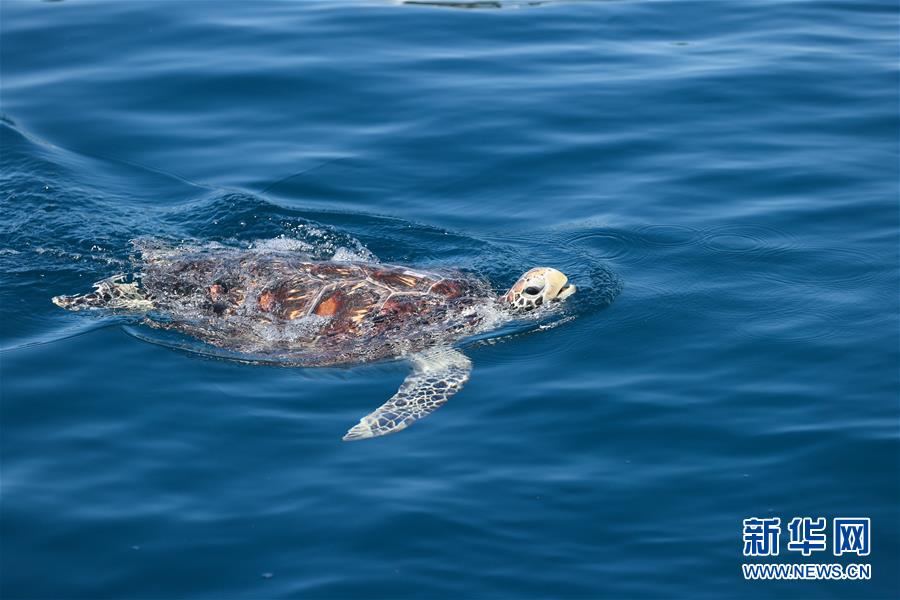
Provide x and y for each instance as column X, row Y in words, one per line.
column 732, row 166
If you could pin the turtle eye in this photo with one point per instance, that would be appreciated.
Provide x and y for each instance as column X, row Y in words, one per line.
column 532, row 290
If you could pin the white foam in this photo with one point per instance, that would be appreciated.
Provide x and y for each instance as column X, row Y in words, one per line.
column 282, row 244
column 274, row 334
column 342, row 254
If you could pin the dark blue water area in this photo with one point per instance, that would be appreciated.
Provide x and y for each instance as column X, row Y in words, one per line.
column 720, row 179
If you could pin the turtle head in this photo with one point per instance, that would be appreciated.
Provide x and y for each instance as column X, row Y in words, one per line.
column 538, row 286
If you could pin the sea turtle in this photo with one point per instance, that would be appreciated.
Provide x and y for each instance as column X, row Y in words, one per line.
column 323, row 313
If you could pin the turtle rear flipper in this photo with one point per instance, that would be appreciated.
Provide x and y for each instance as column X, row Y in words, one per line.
column 110, row 294
column 438, row 374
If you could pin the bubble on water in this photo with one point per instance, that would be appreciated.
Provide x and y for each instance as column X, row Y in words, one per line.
column 273, row 334
column 317, row 245
column 282, row 244
column 346, row 255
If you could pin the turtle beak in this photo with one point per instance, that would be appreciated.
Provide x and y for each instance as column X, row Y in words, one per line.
column 566, row 291
column 558, row 286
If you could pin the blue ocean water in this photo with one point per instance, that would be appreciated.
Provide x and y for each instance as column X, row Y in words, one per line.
column 734, row 164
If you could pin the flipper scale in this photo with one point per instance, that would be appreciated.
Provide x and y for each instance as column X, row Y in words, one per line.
column 438, row 373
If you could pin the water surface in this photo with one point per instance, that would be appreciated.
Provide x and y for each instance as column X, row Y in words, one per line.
column 733, row 164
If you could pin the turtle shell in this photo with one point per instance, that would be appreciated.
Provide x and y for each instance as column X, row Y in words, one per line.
column 353, row 295
column 333, row 311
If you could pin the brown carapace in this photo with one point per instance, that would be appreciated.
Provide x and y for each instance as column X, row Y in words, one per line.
column 349, row 297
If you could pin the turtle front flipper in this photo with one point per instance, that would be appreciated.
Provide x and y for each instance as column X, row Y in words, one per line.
column 438, row 373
